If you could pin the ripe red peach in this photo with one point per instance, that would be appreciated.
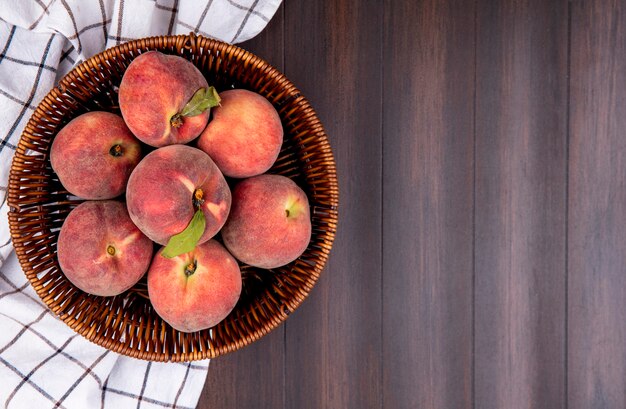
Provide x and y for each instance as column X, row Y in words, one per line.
column 154, row 90
column 195, row 290
column 269, row 223
column 94, row 154
column 100, row 250
column 245, row 134
column 169, row 185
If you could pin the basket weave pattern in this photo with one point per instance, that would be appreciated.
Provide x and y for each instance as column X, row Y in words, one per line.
column 127, row 324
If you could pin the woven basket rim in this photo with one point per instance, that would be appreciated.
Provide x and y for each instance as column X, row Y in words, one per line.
column 182, row 43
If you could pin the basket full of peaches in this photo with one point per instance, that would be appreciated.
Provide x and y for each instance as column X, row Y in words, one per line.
column 176, row 191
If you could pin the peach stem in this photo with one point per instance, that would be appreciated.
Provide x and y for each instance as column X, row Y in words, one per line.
column 116, row 150
column 198, row 197
column 177, row 121
column 191, row 268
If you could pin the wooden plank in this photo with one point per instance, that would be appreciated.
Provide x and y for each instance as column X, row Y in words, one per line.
column 521, row 161
column 597, row 207
column 254, row 376
column 249, row 378
column 428, row 83
column 332, row 53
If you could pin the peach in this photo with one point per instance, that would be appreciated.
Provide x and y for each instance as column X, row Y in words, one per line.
column 94, row 154
column 195, row 290
column 154, row 90
column 269, row 223
column 100, row 250
column 245, row 134
column 169, row 185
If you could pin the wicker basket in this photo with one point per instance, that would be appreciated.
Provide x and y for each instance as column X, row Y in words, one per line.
column 127, row 324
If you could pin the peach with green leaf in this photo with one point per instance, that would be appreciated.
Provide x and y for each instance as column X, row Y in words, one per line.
column 194, row 290
column 165, row 99
column 169, row 186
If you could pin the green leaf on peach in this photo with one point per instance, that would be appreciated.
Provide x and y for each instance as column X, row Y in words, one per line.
column 186, row 241
column 203, row 99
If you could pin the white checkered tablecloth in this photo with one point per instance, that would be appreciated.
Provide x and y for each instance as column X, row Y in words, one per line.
column 43, row 363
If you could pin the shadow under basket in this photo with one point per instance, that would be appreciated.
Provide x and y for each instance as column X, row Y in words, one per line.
column 127, row 323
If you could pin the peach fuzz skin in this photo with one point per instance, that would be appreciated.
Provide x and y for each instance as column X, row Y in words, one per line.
column 270, row 224
column 155, row 87
column 161, row 190
column 244, row 135
column 196, row 290
column 94, row 154
column 100, row 250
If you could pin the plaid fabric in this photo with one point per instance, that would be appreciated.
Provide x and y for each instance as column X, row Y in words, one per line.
column 43, row 363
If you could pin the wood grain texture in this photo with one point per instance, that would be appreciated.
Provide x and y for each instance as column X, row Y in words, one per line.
column 427, row 204
column 481, row 257
column 250, row 378
column 254, row 376
column 521, row 141
column 597, row 207
column 332, row 53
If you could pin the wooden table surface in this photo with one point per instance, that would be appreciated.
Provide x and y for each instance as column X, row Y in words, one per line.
column 480, row 260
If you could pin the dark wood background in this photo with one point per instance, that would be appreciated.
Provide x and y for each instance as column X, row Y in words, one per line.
column 481, row 255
